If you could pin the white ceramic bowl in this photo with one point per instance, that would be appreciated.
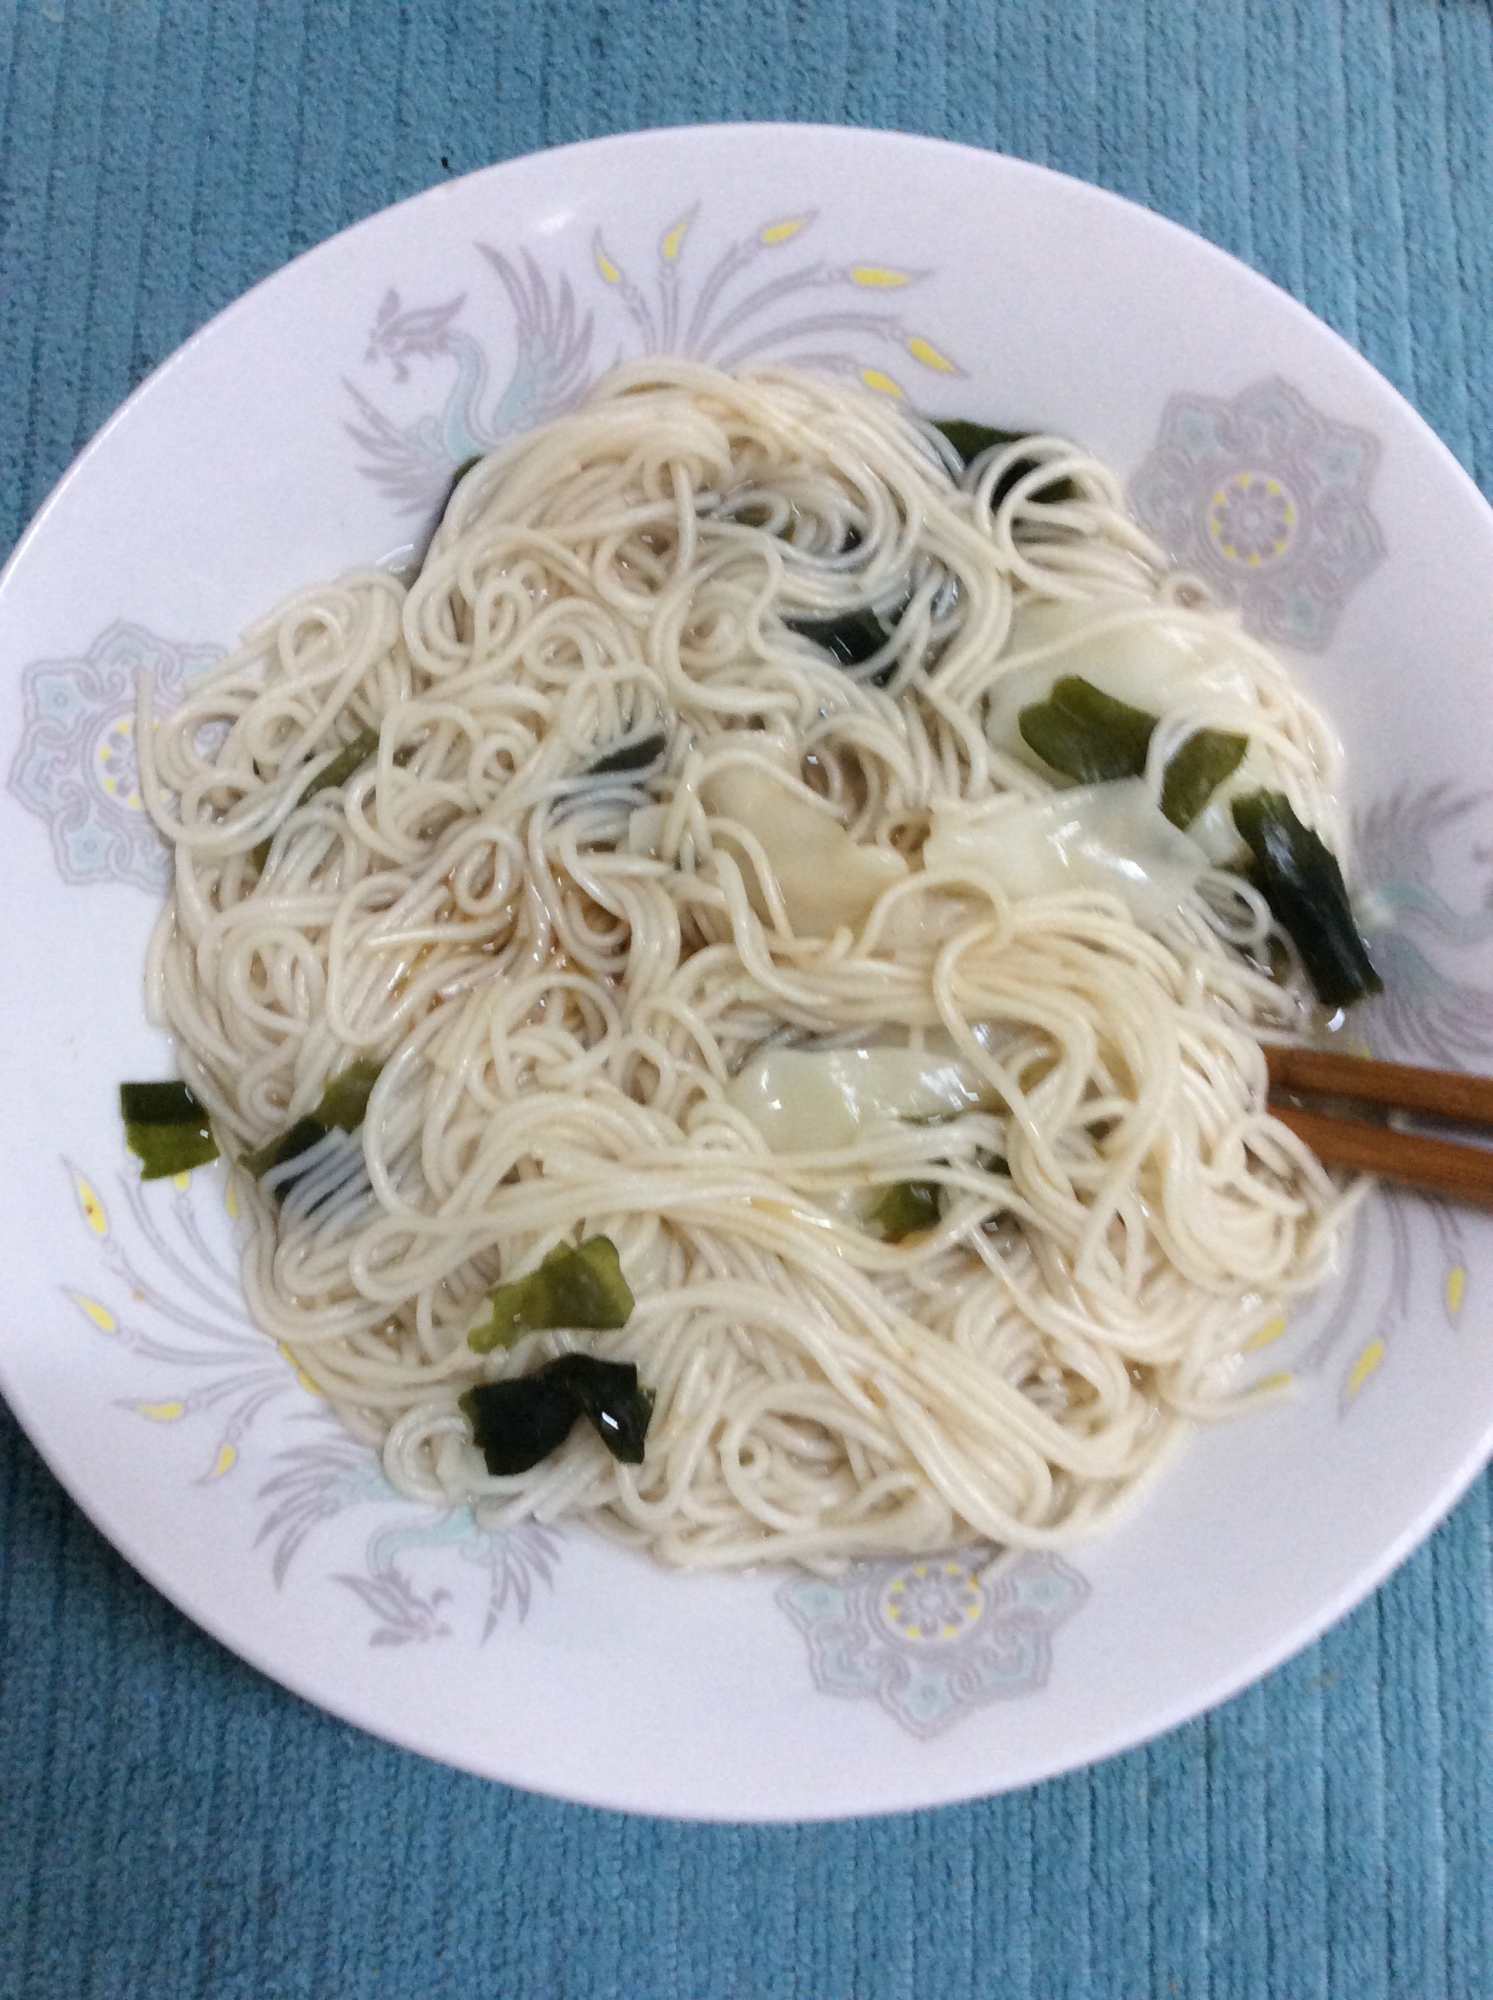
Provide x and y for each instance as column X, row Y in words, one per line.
column 312, row 427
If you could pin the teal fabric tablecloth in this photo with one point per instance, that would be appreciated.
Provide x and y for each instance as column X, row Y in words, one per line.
column 173, row 1825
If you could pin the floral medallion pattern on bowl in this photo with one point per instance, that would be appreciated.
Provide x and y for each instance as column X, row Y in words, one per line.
column 934, row 1638
column 1268, row 500
column 75, row 765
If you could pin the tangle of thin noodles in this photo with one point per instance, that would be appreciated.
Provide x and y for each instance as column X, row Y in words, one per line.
column 561, row 974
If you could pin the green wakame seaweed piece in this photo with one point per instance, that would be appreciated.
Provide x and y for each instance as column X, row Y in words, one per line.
column 905, row 1208
column 634, row 756
column 288, row 1145
column 343, row 1104
column 1086, row 734
column 1092, row 737
column 518, row 1422
column 850, row 638
column 970, row 439
column 1196, row 771
column 608, row 1396
column 1299, row 877
column 344, row 1101
column 166, row 1128
column 577, row 1285
column 350, row 758
column 170, row 1103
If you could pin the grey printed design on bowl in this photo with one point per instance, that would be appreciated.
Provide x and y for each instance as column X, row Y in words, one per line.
column 171, row 1296
column 1435, row 1007
column 759, row 299
column 1268, row 501
column 333, row 1471
column 75, row 764
column 748, row 305
column 934, row 1638
column 1432, row 951
column 413, row 462
column 1402, row 1243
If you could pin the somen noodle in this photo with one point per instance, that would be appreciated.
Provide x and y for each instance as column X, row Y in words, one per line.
column 674, row 849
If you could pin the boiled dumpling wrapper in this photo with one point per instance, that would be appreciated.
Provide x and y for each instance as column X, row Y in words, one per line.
column 1111, row 837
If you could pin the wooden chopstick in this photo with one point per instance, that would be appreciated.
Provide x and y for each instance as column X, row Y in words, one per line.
column 1448, row 1093
column 1441, row 1166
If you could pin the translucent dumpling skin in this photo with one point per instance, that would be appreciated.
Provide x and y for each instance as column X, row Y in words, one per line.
column 1111, row 837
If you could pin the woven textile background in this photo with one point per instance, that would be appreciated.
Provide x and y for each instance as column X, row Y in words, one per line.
column 173, row 1825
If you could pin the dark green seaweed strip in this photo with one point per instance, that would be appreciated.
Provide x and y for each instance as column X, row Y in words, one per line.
column 1196, row 771
column 170, row 1103
column 970, row 439
column 166, row 1128
column 905, row 1208
column 343, row 1104
column 609, row 1397
column 352, row 757
column 1092, row 737
column 517, row 1423
column 344, row 1101
column 1067, row 744
column 577, row 1285
column 458, row 476
column 850, row 638
column 634, row 756
column 1086, row 734
column 1299, row 877
column 164, row 1150
column 301, row 1137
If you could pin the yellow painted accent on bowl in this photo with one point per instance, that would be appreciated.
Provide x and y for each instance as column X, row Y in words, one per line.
column 300, row 1374
column 1364, row 1367
column 100, row 1315
column 880, row 277
column 1280, row 1380
column 780, row 232
column 924, row 351
column 160, row 1413
column 223, row 1462
column 606, row 267
column 230, row 1200
column 93, row 1209
column 1456, row 1288
column 1271, row 1330
column 874, row 379
column 674, row 238
column 180, row 1180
